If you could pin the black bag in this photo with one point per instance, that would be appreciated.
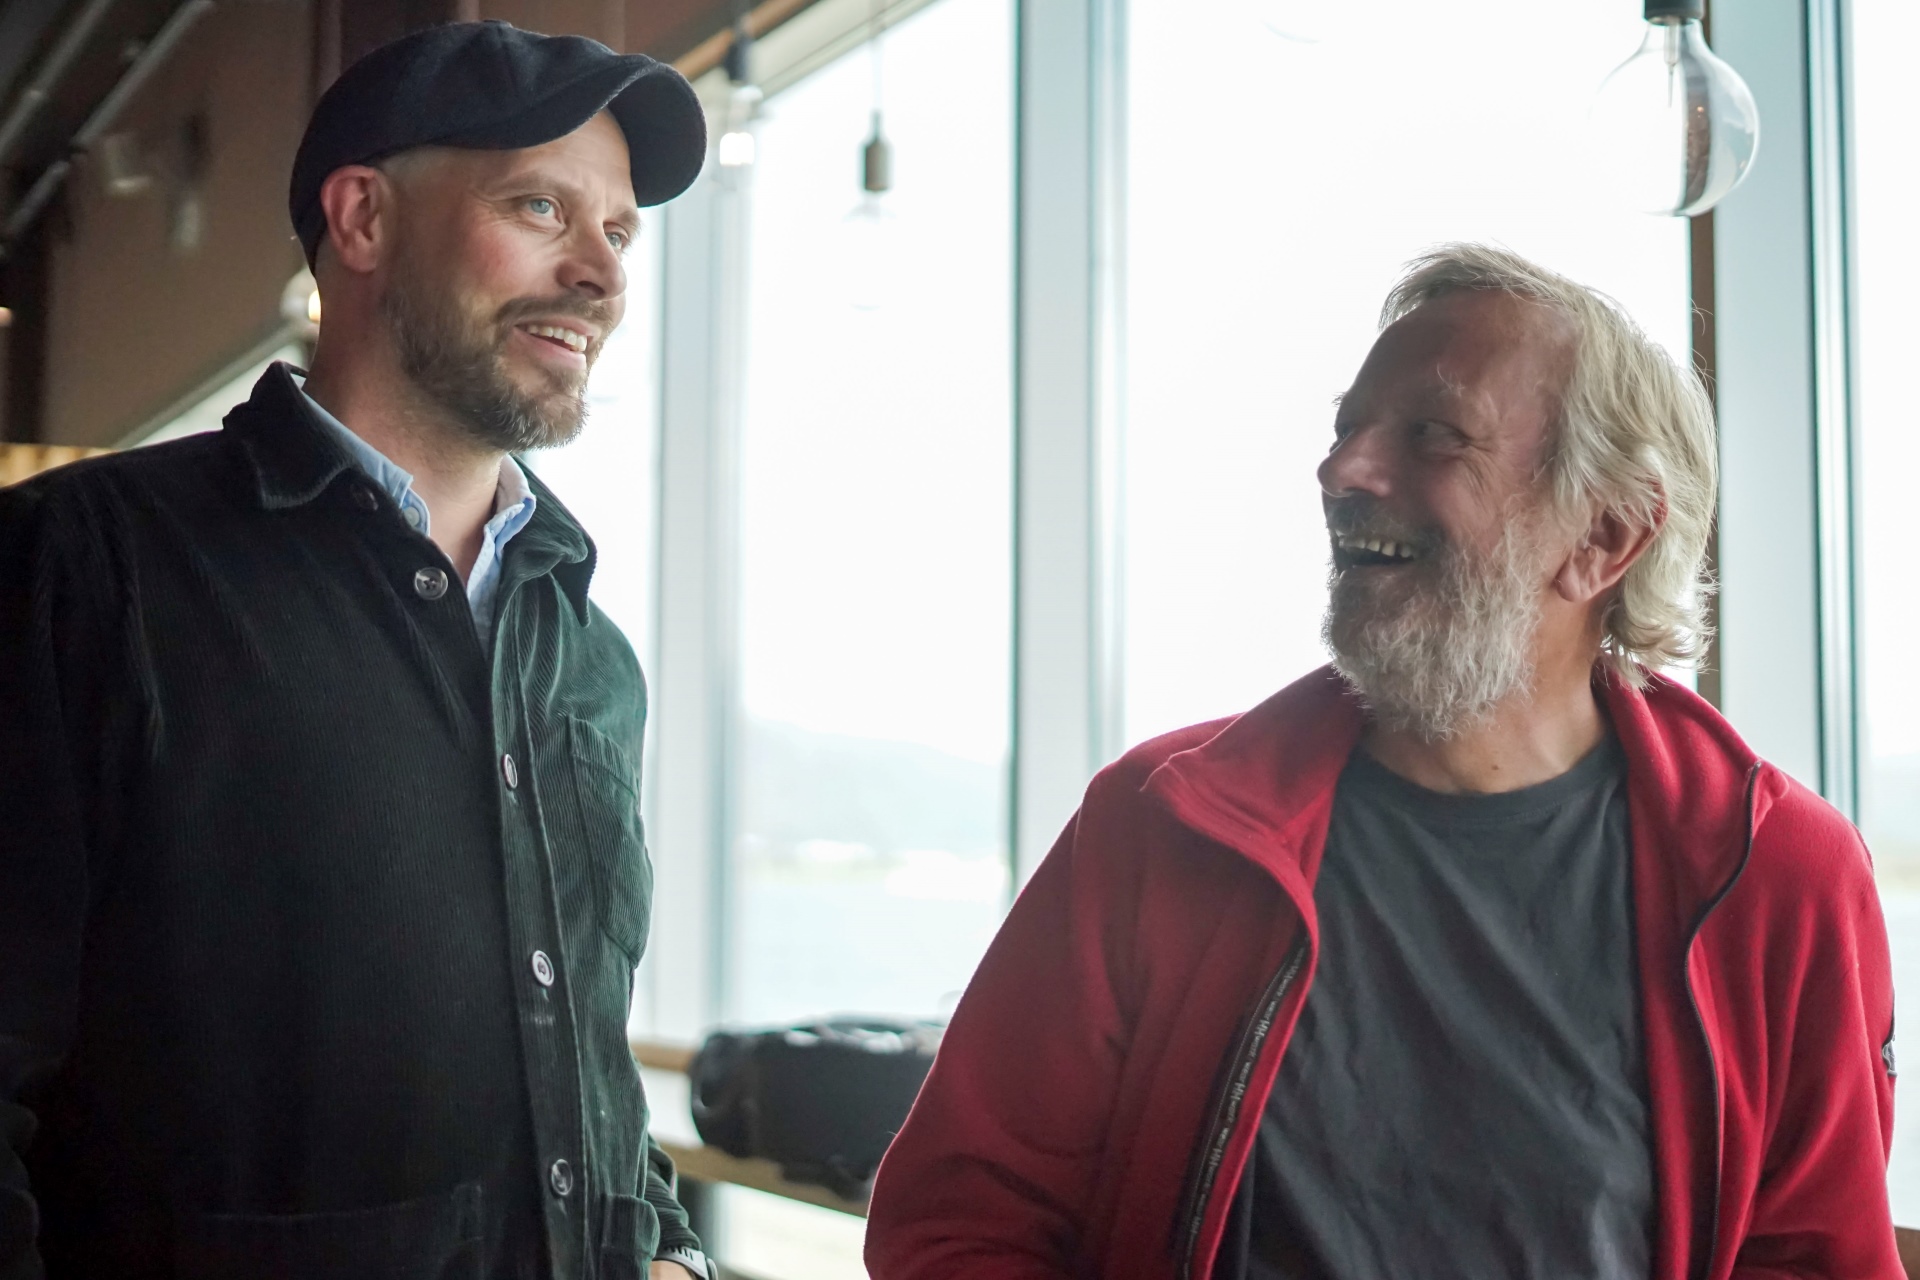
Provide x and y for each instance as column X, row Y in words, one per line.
column 822, row 1100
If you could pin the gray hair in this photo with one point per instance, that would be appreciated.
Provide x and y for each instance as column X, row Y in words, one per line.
column 1634, row 437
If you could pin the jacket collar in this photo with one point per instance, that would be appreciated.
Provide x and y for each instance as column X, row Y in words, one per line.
column 1263, row 784
column 292, row 459
column 288, row 450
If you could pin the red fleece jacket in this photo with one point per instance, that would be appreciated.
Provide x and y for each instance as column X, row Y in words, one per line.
column 1103, row 1079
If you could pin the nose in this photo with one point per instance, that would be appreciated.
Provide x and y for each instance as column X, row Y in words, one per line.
column 593, row 267
column 1358, row 463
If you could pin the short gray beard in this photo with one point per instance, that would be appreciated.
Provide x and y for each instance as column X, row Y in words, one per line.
column 1436, row 658
column 455, row 362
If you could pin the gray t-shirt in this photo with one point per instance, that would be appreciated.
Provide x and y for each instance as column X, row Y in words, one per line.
column 1465, row 1095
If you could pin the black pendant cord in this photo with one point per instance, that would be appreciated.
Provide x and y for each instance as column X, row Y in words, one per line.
column 876, row 158
column 739, row 52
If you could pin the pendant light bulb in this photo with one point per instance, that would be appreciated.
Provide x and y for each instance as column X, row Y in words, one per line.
column 869, row 234
column 1675, row 128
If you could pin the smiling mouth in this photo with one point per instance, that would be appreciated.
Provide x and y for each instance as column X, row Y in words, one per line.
column 1353, row 551
column 567, row 339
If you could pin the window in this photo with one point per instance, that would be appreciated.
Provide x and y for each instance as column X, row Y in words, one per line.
column 1887, row 276
column 1269, row 209
column 868, row 844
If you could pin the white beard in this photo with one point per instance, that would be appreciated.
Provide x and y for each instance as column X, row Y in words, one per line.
column 1435, row 655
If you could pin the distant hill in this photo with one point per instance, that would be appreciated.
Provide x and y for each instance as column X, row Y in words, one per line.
column 799, row 785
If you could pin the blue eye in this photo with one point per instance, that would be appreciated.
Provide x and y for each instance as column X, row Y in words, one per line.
column 619, row 240
column 541, row 206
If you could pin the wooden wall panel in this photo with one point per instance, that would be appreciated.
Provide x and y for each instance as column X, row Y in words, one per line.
column 135, row 321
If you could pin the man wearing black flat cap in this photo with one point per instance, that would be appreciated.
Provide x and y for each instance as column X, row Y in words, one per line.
column 322, row 876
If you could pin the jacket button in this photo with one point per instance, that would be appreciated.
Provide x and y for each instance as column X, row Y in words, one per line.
column 560, row 1178
column 510, row 771
column 542, row 971
column 363, row 498
column 430, row 583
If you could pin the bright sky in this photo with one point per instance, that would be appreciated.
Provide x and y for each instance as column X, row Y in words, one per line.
column 876, row 508
column 1270, row 209
column 1885, row 119
column 606, row 477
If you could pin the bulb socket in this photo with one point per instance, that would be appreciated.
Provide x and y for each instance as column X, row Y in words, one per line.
column 739, row 57
column 876, row 167
column 1676, row 10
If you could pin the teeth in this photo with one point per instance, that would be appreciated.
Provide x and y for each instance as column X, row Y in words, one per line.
column 574, row 341
column 1378, row 546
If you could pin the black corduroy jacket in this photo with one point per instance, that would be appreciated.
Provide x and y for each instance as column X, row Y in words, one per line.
column 317, row 920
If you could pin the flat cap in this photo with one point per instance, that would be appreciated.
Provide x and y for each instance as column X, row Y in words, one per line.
column 491, row 86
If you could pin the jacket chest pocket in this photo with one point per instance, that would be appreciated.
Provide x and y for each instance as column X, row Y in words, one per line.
column 606, row 788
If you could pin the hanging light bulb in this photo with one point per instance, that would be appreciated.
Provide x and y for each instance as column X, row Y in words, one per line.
column 737, row 145
column 869, row 230
column 1675, row 127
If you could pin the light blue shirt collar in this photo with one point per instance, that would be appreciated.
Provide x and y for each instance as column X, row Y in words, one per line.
column 513, row 504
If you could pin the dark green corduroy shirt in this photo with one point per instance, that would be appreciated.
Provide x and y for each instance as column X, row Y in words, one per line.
column 317, row 921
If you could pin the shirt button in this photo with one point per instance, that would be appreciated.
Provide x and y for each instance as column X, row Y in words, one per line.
column 411, row 515
column 560, row 1178
column 542, row 969
column 430, row 583
column 510, row 771
column 363, row 498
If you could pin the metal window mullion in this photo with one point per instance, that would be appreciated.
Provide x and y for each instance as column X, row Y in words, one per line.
column 1782, row 354
column 1836, row 439
column 1065, row 477
column 694, row 669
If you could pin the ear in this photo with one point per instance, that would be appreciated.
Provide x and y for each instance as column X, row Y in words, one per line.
column 359, row 203
column 1603, row 556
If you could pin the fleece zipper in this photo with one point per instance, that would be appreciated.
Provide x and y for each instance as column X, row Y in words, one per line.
column 1226, row 1108
column 1700, row 1022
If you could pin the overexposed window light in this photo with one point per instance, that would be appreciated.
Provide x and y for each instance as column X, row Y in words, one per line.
column 737, row 149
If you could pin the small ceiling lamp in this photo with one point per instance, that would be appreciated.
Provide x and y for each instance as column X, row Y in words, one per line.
column 1675, row 127
column 869, row 227
column 737, row 146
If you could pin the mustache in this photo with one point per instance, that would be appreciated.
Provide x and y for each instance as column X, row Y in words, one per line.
column 1360, row 516
column 601, row 315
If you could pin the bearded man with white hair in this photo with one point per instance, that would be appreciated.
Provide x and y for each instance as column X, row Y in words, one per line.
column 1486, row 951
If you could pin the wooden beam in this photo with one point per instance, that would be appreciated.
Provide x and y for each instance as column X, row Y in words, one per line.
column 761, row 19
column 662, row 1055
column 710, row 1164
column 20, row 461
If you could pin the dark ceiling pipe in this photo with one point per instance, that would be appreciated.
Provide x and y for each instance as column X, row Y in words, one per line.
column 130, row 82
column 40, row 91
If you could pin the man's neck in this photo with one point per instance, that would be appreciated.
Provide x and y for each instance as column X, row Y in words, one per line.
column 1527, row 740
column 454, row 477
